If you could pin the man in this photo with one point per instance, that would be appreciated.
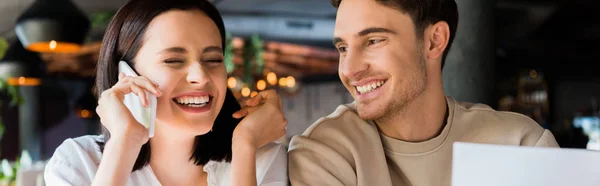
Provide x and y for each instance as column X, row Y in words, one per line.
column 401, row 127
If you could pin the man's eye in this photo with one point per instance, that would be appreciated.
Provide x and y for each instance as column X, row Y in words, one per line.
column 341, row 49
column 375, row 41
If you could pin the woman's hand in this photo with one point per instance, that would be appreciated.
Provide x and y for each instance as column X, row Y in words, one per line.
column 264, row 121
column 126, row 134
column 115, row 116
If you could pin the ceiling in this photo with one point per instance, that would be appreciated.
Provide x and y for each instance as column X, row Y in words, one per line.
column 12, row 9
column 303, row 8
column 528, row 32
column 309, row 9
column 516, row 19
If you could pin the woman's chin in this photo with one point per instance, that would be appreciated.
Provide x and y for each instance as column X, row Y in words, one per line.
column 199, row 129
column 187, row 126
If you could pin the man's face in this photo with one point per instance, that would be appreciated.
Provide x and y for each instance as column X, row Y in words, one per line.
column 381, row 59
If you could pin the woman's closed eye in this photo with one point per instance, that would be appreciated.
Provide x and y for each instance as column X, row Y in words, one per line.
column 213, row 60
column 174, row 60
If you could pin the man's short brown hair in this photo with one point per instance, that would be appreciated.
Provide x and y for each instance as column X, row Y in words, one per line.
column 425, row 13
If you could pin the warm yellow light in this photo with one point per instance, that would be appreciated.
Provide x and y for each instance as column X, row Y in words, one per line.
column 291, row 81
column 245, row 92
column 84, row 113
column 272, row 78
column 282, row 82
column 231, row 82
column 533, row 74
column 254, row 93
column 52, row 45
column 261, row 85
column 24, row 81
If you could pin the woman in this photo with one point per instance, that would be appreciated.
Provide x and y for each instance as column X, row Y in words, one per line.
column 176, row 47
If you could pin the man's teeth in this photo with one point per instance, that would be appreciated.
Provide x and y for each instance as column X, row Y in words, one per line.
column 369, row 87
column 193, row 101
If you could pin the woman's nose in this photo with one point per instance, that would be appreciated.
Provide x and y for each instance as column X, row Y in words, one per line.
column 196, row 74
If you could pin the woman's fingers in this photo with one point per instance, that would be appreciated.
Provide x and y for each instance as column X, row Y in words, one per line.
column 244, row 112
column 248, row 102
column 256, row 102
column 267, row 96
column 141, row 94
column 142, row 82
column 262, row 97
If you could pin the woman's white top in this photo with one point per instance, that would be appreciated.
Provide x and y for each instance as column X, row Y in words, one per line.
column 76, row 161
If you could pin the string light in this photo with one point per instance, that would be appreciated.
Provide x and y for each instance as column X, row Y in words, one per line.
column 245, row 92
column 290, row 81
column 231, row 82
column 282, row 82
column 261, row 84
column 272, row 78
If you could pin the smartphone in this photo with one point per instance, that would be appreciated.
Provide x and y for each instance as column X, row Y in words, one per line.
column 144, row 115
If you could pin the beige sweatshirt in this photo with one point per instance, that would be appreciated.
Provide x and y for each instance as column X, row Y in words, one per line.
column 342, row 149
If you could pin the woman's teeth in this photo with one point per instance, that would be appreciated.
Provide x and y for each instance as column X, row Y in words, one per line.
column 369, row 87
column 193, row 101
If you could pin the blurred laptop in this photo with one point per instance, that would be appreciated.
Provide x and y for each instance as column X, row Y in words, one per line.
column 500, row 165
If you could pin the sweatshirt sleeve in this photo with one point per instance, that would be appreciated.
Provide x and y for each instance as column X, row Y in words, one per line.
column 546, row 140
column 314, row 163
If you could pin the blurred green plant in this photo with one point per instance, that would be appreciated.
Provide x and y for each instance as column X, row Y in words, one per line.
column 258, row 50
column 8, row 172
column 101, row 19
column 253, row 54
column 229, row 65
column 3, row 47
column 15, row 100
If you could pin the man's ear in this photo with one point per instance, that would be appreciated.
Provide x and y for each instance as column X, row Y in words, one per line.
column 437, row 37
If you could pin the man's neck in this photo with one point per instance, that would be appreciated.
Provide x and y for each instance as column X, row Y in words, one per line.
column 421, row 119
column 170, row 159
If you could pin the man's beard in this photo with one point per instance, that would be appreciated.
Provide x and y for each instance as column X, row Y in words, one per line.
column 397, row 102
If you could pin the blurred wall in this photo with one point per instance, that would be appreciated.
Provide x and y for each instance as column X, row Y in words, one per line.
column 311, row 103
column 468, row 74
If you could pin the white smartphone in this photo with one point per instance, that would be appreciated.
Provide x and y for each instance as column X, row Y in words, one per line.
column 145, row 115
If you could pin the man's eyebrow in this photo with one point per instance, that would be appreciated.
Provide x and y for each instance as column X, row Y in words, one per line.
column 371, row 30
column 365, row 32
column 337, row 40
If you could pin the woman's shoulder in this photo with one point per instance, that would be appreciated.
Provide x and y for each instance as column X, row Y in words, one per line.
column 271, row 166
column 81, row 147
column 75, row 161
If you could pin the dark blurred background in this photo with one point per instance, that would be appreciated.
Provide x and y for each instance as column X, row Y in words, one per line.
column 535, row 57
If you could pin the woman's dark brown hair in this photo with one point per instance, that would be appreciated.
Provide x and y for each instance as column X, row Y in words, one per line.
column 123, row 39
